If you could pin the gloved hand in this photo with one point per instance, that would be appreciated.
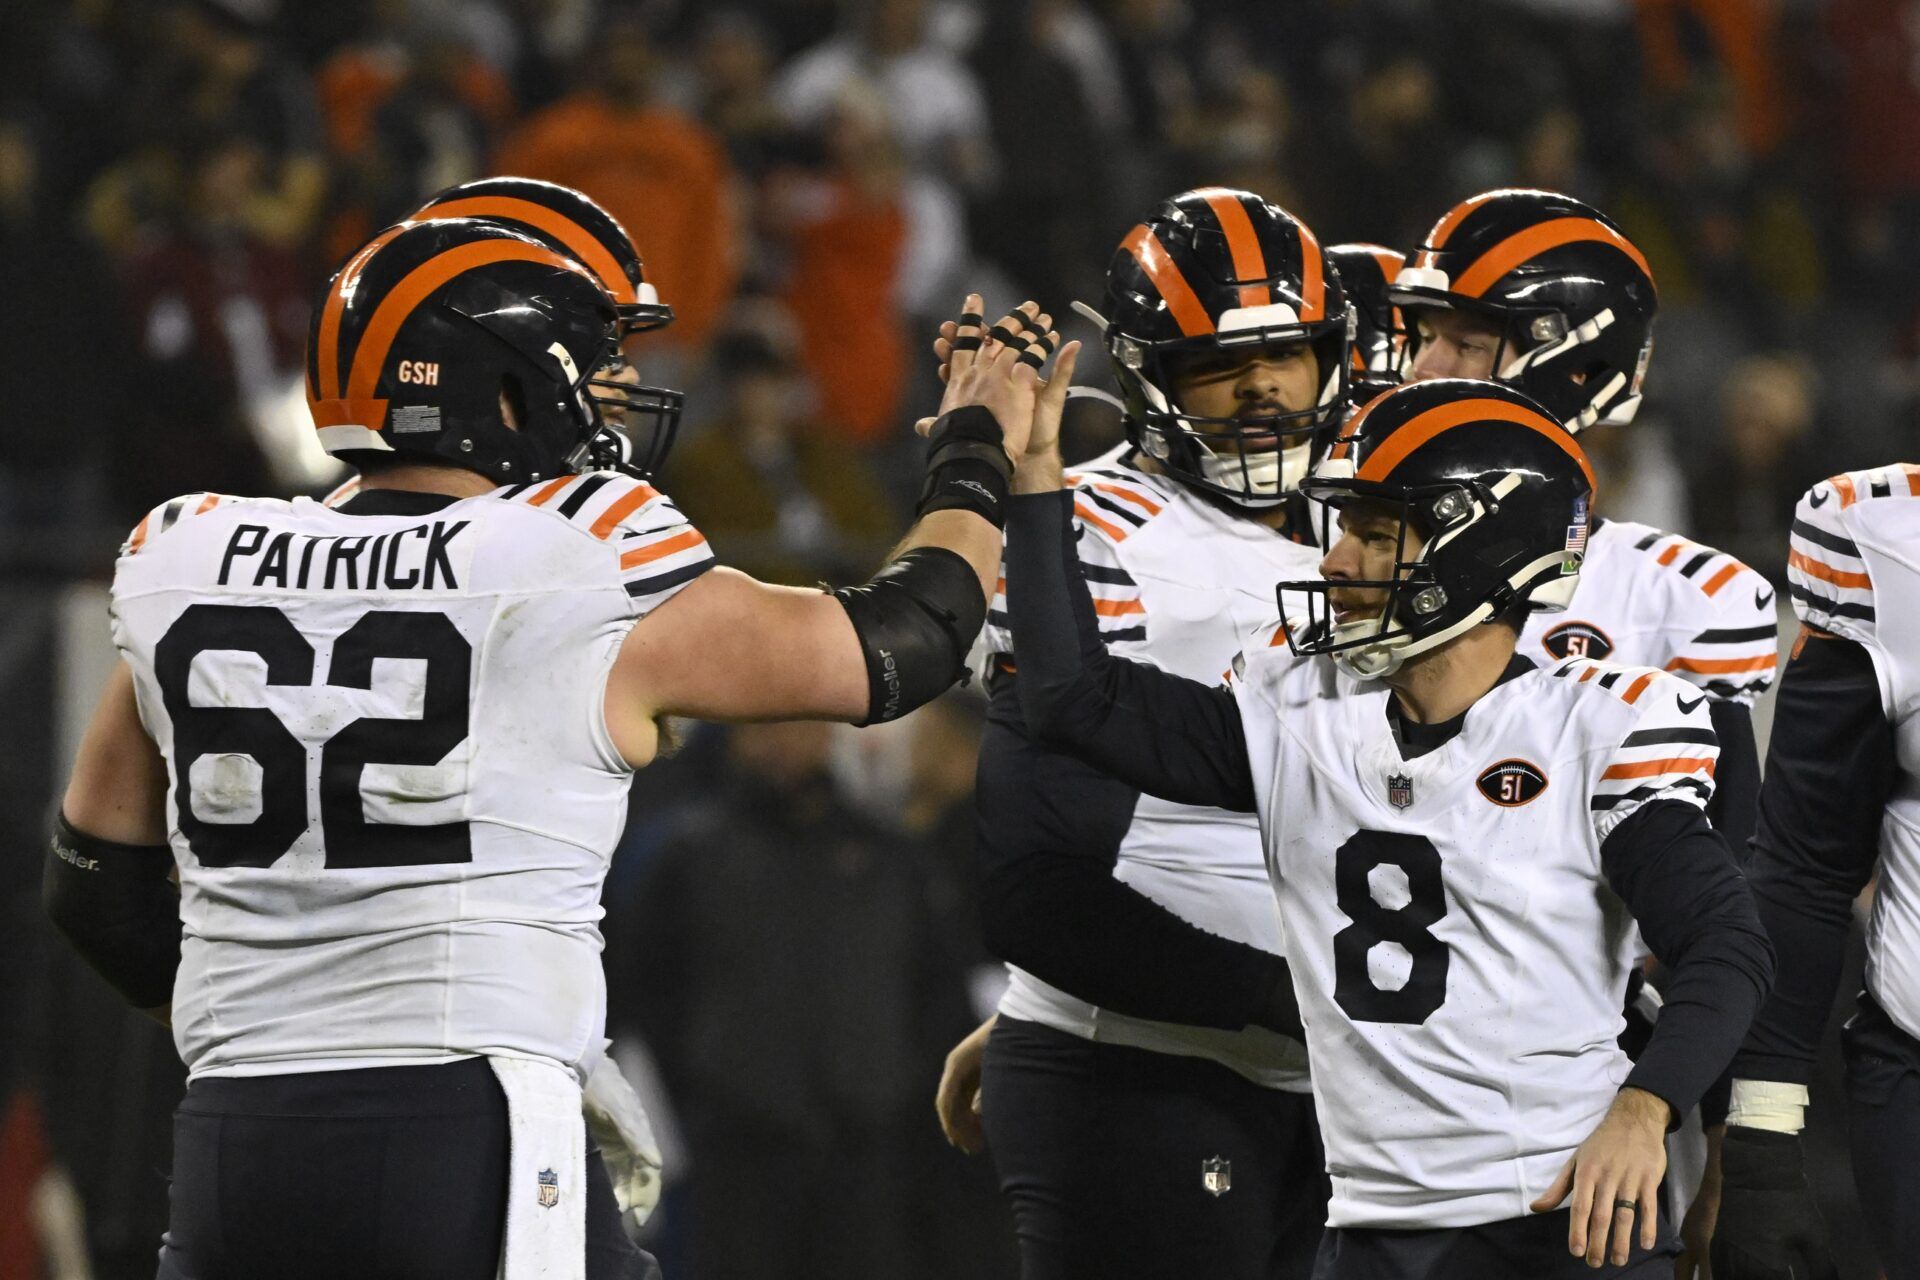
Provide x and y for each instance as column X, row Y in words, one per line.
column 619, row 1126
column 1769, row 1227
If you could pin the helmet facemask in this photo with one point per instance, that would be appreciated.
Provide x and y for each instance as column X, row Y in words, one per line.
column 637, row 423
column 1426, row 602
column 1251, row 462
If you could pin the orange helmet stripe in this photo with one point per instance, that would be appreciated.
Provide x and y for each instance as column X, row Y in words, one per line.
column 413, row 289
column 580, row 242
column 1437, row 238
column 336, row 305
column 1425, row 426
column 1188, row 312
column 1389, row 260
column 1249, row 263
column 1313, row 277
column 1536, row 240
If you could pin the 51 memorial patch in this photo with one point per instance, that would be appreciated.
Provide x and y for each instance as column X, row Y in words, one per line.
column 1512, row 783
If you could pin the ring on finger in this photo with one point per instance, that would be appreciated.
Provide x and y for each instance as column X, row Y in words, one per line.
column 1632, row 1206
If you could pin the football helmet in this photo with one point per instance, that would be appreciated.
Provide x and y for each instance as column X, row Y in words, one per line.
column 646, row 418
column 416, row 339
column 1216, row 271
column 1366, row 271
column 1497, row 491
column 1573, row 298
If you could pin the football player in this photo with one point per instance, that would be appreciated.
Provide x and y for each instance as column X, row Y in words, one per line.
column 1841, row 802
column 386, row 747
column 1144, row 1115
column 1459, row 840
column 1368, row 271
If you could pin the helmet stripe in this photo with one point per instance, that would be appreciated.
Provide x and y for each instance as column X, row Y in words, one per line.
column 335, row 307
column 1313, row 276
column 413, row 288
column 1443, row 229
column 1188, row 312
column 1423, row 427
column 1390, row 260
column 1249, row 262
column 580, row 242
column 1522, row 246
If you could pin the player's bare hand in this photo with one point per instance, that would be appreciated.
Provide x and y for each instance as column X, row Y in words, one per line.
column 1696, row 1229
column 1039, row 469
column 1614, row 1179
column 958, row 1098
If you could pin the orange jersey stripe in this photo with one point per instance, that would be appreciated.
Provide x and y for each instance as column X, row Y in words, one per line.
column 1249, row 263
column 547, row 490
column 580, row 242
column 1672, row 553
column 371, row 354
column 1638, row 687
column 1118, row 608
column 665, row 547
column 623, row 506
column 1722, row 578
column 1145, row 504
column 1843, row 485
column 1827, row 573
column 1653, row 768
column 1722, row 666
column 207, row 503
column 335, row 307
column 1534, row 241
column 1107, row 527
column 1185, row 305
column 139, row 537
column 1416, row 432
column 1588, row 674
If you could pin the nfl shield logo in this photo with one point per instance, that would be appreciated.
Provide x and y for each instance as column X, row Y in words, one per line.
column 1216, row 1175
column 1399, row 790
column 549, row 1188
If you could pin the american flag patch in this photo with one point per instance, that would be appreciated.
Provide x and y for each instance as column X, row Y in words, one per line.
column 1576, row 537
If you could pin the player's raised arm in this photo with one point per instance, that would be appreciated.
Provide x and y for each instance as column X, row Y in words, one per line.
column 731, row 648
column 1167, row 735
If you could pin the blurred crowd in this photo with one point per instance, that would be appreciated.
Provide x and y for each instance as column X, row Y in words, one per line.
column 814, row 184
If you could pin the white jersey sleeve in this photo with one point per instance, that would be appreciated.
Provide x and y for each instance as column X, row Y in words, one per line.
column 1720, row 631
column 1669, row 753
column 661, row 553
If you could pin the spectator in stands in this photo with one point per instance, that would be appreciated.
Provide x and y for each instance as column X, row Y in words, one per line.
column 1766, row 458
column 735, row 59
column 784, row 499
column 663, row 175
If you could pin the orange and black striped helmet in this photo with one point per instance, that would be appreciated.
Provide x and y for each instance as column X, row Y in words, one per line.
column 572, row 222
column 1367, row 270
column 418, row 337
column 1573, row 298
column 1492, row 495
column 1210, row 274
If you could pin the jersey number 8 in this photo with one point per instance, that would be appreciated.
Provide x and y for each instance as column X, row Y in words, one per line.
column 1410, row 925
column 349, row 839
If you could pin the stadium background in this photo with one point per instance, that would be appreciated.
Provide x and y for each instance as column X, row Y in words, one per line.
column 814, row 185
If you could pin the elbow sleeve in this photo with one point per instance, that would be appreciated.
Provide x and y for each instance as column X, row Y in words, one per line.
column 115, row 905
column 916, row 619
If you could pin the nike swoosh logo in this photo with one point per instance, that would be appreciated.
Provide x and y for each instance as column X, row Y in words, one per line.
column 1686, row 708
column 1818, row 498
column 1762, row 598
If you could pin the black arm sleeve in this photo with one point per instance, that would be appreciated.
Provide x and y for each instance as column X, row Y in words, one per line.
column 115, row 904
column 1679, row 879
column 1736, row 778
column 1830, row 768
column 1049, row 832
column 1168, row 736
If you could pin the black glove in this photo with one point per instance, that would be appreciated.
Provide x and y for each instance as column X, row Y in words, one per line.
column 1769, row 1227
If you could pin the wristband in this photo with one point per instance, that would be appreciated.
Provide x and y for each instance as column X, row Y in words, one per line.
column 967, row 466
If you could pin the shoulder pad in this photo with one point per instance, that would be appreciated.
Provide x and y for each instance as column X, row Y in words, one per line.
column 1114, row 501
column 599, row 503
column 1829, row 579
column 170, row 513
column 1707, row 568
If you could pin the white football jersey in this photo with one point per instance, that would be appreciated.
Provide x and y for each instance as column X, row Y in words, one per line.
column 1456, row 950
column 1182, row 585
column 1652, row 599
column 392, row 792
column 1854, row 571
